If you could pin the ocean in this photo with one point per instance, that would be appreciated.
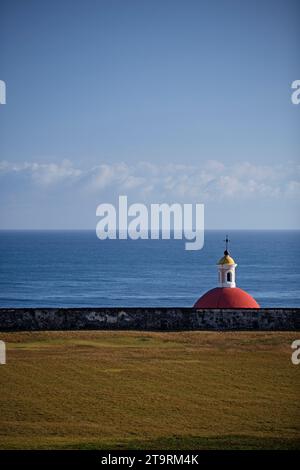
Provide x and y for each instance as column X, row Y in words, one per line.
column 76, row 269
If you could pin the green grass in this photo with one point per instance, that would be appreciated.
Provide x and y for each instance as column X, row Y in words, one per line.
column 131, row 390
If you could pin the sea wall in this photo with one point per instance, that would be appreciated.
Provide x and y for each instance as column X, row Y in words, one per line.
column 161, row 319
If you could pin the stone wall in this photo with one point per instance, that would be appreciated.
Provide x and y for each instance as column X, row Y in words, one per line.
column 265, row 319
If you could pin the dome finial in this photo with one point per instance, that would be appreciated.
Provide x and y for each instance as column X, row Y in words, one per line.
column 226, row 252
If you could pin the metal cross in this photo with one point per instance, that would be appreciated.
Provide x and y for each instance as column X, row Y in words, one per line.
column 226, row 241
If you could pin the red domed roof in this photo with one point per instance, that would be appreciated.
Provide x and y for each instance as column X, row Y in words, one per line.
column 226, row 297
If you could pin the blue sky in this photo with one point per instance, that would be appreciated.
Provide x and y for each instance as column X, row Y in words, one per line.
column 165, row 101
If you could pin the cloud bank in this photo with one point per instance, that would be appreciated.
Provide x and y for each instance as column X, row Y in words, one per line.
column 209, row 181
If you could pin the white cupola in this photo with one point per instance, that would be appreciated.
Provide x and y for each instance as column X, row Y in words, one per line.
column 226, row 269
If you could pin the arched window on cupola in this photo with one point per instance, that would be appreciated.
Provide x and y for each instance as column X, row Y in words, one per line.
column 229, row 276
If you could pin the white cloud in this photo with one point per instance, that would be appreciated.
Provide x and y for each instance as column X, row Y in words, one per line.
column 52, row 173
column 45, row 174
column 211, row 180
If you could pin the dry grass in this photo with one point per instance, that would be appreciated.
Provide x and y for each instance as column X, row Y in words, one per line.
column 188, row 390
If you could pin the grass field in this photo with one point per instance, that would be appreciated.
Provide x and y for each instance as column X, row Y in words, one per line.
column 127, row 390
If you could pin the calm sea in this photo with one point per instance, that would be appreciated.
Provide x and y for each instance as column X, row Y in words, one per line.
column 74, row 268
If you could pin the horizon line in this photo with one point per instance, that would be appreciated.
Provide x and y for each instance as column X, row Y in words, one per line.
column 117, row 231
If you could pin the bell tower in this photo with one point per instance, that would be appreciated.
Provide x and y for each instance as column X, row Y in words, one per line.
column 226, row 268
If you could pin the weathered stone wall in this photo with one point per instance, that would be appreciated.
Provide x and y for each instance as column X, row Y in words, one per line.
column 30, row 319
